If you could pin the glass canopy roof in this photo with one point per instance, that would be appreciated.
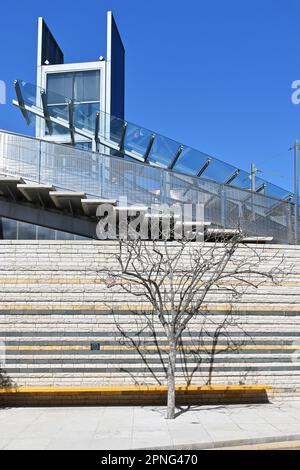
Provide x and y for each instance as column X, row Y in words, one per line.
column 63, row 115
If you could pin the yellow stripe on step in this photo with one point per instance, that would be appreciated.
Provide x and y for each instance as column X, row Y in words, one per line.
column 121, row 389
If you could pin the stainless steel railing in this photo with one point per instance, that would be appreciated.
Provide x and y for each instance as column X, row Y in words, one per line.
column 106, row 176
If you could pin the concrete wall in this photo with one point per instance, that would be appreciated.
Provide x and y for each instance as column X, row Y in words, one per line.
column 53, row 306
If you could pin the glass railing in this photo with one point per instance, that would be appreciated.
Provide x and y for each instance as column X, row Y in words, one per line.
column 134, row 141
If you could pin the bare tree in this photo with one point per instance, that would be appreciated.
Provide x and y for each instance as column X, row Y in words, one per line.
column 177, row 280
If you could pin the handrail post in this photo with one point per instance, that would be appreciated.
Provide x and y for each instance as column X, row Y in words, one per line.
column 223, row 206
column 289, row 222
column 40, row 162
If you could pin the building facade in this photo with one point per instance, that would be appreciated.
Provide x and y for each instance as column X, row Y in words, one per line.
column 57, row 319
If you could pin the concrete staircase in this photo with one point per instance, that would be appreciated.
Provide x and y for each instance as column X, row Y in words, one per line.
column 57, row 324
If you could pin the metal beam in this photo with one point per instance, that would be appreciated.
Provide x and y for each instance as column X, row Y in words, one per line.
column 11, row 193
column 261, row 188
column 122, row 140
column 288, row 198
column 40, row 198
column 97, row 128
column 203, row 168
column 71, row 207
column 147, row 153
column 71, row 120
column 21, row 101
column 46, row 112
column 232, row 177
column 257, row 239
column 175, row 159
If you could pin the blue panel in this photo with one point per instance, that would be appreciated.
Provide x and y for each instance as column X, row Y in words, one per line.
column 117, row 73
column 51, row 51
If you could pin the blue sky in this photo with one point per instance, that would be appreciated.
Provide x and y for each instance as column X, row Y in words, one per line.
column 213, row 75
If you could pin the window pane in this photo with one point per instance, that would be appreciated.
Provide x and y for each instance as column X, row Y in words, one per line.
column 84, row 146
column 80, row 86
column 26, row 231
column 58, row 111
column 83, row 88
column 59, row 86
column 16, row 230
column 64, row 236
column 44, row 233
column 85, row 115
column 9, row 228
column 87, row 86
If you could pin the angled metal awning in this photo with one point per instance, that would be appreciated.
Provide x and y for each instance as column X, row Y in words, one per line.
column 37, row 193
column 90, row 206
column 9, row 187
column 69, row 201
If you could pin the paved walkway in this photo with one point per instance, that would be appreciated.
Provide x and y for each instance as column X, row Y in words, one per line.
column 145, row 427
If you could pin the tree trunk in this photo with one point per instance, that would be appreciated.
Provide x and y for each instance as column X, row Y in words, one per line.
column 171, row 379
